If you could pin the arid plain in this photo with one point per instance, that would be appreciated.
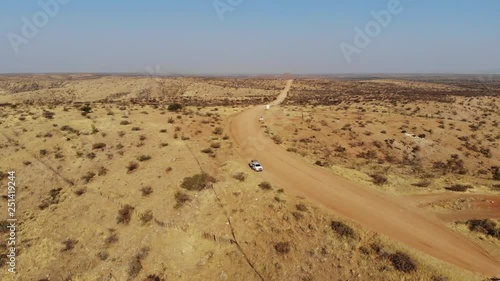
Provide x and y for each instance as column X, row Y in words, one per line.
column 146, row 178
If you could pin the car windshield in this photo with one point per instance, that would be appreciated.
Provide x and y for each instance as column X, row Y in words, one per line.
column 257, row 164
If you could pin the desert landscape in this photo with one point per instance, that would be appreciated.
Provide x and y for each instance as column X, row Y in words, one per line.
column 366, row 177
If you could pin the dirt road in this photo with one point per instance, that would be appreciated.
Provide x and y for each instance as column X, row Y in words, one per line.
column 394, row 217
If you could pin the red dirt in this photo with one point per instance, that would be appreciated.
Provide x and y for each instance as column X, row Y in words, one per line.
column 485, row 206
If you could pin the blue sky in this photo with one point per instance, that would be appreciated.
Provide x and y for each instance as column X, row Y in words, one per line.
column 255, row 36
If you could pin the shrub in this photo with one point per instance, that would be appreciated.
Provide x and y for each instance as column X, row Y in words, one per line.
column 88, row 177
column 452, row 165
column 343, row 229
column 340, row 149
column 301, row 207
column 124, row 214
column 48, row 114
column 207, row 150
column 111, row 239
column 486, row 226
column 136, row 128
column 91, row 155
column 174, row 107
column 198, row 182
column 69, row 244
column 135, row 265
column 402, row 262
column 146, row 216
column 277, row 139
column 102, row 171
column 86, row 109
column 215, row 145
column 98, row 145
column 297, row 215
column 163, row 130
column 103, row 255
column 422, row 183
column 124, row 122
column 379, row 179
column 265, row 185
column 458, row 187
column 495, row 171
column 282, row 247
column 144, row 158
column 181, row 198
column 240, row 176
column 52, row 199
column 132, row 166
column 218, row 131
column 153, row 277
column 80, row 191
column 146, row 190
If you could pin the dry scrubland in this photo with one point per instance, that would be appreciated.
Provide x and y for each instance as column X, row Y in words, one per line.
column 115, row 184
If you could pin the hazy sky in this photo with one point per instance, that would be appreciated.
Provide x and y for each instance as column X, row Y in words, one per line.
column 254, row 36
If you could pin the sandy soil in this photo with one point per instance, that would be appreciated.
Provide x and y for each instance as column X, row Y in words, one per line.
column 391, row 216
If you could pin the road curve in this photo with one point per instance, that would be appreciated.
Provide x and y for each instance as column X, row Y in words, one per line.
column 394, row 217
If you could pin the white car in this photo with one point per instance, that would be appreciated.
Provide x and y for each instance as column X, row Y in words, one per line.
column 256, row 166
